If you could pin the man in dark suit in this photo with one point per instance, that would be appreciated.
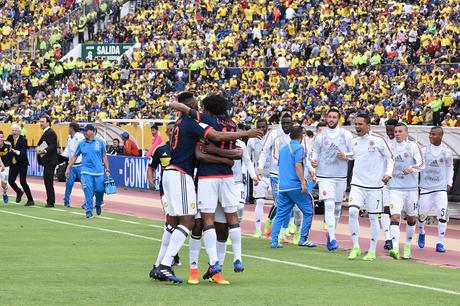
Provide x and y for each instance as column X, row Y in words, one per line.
column 48, row 158
column 19, row 164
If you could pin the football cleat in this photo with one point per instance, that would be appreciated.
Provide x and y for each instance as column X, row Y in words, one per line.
column 332, row 245
column 305, row 243
column 355, row 252
column 257, row 234
column 421, row 241
column 238, row 266
column 370, row 256
column 296, row 238
column 168, row 274
column 218, row 279
column 212, row 270
column 154, row 274
column 394, row 254
column 193, row 277
column 98, row 210
column 440, row 248
column 407, row 251
column 388, row 244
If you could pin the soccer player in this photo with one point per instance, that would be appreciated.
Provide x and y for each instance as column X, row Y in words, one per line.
column 274, row 141
column 403, row 188
column 5, row 161
column 293, row 189
column 370, row 151
column 435, row 182
column 181, row 198
column 75, row 137
column 94, row 162
column 385, row 216
column 262, row 188
column 161, row 156
column 332, row 171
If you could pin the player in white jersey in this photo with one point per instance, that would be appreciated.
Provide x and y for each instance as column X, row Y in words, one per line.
column 435, row 181
column 385, row 216
column 370, row 151
column 263, row 187
column 274, row 141
column 331, row 170
column 403, row 188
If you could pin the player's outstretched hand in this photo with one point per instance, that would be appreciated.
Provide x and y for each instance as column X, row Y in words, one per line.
column 408, row 170
column 254, row 133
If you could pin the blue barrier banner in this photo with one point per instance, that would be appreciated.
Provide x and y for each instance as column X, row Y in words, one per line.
column 131, row 172
column 34, row 169
column 126, row 171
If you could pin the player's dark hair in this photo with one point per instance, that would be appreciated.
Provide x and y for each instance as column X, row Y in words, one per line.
column 433, row 128
column 309, row 134
column 1, row 133
column 261, row 120
column 74, row 126
column 184, row 96
column 296, row 132
column 391, row 122
column 215, row 104
column 286, row 114
column 366, row 118
column 402, row 124
column 116, row 140
column 333, row 110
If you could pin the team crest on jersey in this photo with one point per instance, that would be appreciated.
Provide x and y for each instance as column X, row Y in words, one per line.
column 406, row 155
column 371, row 143
column 441, row 160
column 326, row 142
column 324, row 193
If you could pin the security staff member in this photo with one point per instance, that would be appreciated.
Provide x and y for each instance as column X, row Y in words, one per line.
column 94, row 160
column 19, row 164
column 48, row 158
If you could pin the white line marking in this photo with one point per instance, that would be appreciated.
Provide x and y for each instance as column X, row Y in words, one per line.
column 105, row 218
column 58, row 209
column 294, row 264
column 76, row 213
column 130, row 222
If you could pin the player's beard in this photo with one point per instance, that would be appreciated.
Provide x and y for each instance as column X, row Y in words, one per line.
column 332, row 127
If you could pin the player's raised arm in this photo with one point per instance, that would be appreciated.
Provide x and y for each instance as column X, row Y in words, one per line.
column 210, row 158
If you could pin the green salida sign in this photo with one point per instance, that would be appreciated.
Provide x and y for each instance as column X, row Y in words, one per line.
column 111, row 51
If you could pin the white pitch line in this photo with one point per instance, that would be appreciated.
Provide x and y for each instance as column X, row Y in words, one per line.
column 273, row 260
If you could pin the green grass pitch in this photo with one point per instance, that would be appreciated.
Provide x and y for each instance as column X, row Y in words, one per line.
column 57, row 257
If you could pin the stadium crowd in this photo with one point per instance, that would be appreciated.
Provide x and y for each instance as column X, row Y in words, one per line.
column 390, row 59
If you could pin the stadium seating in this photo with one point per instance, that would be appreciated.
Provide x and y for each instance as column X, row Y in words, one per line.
column 391, row 59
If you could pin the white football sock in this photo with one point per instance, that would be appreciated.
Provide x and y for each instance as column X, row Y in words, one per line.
column 175, row 244
column 394, row 231
column 442, row 228
column 385, row 220
column 410, row 231
column 374, row 232
column 353, row 224
column 235, row 234
column 221, row 250
column 210, row 241
column 259, row 213
column 194, row 251
column 337, row 212
column 421, row 227
column 167, row 232
column 329, row 218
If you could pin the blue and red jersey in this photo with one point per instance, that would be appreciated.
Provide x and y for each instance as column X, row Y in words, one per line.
column 186, row 133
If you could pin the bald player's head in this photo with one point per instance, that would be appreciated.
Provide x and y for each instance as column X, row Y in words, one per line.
column 436, row 134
